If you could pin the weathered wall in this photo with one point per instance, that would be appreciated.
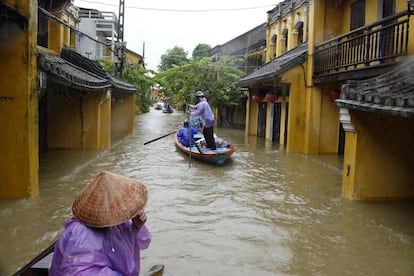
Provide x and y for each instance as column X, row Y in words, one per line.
column 18, row 105
column 122, row 115
column 379, row 156
column 78, row 121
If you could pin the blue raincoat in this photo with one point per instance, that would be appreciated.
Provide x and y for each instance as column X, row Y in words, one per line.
column 82, row 250
column 184, row 135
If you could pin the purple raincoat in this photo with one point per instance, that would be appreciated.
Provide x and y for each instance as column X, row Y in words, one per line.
column 203, row 109
column 82, row 250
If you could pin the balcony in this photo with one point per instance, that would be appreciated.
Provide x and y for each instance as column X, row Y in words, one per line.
column 364, row 52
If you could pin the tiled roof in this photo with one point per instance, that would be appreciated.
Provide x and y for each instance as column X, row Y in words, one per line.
column 95, row 67
column 277, row 66
column 83, row 62
column 68, row 74
column 121, row 86
column 391, row 93
column 74, row 70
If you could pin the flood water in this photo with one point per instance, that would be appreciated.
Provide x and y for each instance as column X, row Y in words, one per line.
column 266, row 212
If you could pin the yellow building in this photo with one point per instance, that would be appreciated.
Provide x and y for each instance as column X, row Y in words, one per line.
column 133, row 58
column 320, row 50
column 57, row 99
column 248, row 48
column 278, row 90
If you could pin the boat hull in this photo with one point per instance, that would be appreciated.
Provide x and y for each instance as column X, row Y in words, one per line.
column 216, row 157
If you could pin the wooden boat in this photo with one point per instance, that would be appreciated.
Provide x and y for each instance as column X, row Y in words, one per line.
column 219, row 156
column 167, row 109
column 158, row 106
column 39, row 266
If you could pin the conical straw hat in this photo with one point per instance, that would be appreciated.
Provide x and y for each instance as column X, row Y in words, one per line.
column 110, row 199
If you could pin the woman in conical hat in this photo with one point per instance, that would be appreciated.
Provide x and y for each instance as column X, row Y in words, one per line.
column 107, row 232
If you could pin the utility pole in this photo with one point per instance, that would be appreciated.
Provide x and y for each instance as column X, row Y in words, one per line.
column 121, row 51
column 121, row 20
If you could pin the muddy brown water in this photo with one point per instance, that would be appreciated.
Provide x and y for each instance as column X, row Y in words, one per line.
column 266, row 212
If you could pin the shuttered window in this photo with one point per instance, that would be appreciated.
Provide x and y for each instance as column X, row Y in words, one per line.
column 357, row 14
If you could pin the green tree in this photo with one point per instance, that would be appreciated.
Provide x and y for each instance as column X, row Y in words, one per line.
column 174, row 56
column 201, row 51
column 141, row 78
column 217, row 79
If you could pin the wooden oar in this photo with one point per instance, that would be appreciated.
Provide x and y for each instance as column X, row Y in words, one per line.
column 153, row 140
column 190, row 134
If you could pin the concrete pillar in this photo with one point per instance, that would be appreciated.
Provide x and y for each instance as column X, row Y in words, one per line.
column 19, row 161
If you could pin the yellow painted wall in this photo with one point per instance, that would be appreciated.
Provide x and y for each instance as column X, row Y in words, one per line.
column 382, row 153
column 288, row 21
column 132, row 57
column 269, row 121
column 247, row 125
column 313, row 120
column 349, row 165
column 104, row 121
column 122, row 117
column 329, row 122
column 56, row 36
column 18, row 107
column 254, row 115
column 283, row 115
column 297, row 109
column 69, row 115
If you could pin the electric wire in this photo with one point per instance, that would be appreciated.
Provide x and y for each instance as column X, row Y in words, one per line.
column 182, row 10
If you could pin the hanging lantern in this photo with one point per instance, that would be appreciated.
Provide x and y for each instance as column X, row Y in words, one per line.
column 271, row 98
column 335, row 95
column 257, row 98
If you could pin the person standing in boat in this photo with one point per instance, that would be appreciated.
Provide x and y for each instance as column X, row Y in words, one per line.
column 186, row 133
column 203, row 109
column 107, row 232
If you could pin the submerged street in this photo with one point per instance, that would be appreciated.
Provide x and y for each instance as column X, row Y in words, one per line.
column 266, row 212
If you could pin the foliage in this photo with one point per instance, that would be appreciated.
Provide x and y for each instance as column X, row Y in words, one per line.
column 142, row 80
column 108, row 66
column 201, row 51
column 175, row 56
column 218, row 80
column 139, row 77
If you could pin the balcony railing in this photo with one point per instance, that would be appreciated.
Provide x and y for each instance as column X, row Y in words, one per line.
column 368, row 46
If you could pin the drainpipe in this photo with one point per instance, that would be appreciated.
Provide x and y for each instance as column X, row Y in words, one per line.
column 107, row 97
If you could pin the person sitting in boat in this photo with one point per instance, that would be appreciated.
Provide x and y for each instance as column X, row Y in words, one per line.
column 107, row 232
column 186, row 133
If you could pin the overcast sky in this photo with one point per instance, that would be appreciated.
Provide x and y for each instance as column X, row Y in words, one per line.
column 164, row 24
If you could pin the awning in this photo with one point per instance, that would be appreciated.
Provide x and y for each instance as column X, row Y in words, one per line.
column 96, row 68
column 277, row 66
column 121, row 86
column 67, row 74
column 391, row 93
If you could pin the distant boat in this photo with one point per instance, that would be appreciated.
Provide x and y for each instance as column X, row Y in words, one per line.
column 167, row 109
column 158, row 106
column 219, row 156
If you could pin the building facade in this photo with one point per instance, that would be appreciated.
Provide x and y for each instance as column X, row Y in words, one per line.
column 330, row 86
column 59, row 99
column 249, row 48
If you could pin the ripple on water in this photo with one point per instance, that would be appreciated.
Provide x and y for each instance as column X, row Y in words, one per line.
column 267, row 212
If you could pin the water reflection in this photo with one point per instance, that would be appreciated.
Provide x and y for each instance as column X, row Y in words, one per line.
column 267, row 212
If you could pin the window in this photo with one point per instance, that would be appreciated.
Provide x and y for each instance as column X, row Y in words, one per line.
column 285, row 33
